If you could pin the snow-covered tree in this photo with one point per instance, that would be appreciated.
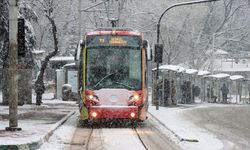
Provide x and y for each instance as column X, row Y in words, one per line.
column 4, row 40
column 48, row 6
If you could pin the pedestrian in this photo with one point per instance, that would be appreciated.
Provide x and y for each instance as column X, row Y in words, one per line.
column 210, row 94
column 173, row 93
column 189, row 92
column 183, row 92
column 166, row 92
column 224, row 91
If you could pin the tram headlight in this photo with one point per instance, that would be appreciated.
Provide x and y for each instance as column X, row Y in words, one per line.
column 92, row 100
column 135, row 97
column 92, row 97
column 132, row 115
column 94, row 114
column 135, row 100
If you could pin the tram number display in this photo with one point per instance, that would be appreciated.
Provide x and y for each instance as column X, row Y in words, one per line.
column 117, row 40
column 114, row 41
column 108, row 40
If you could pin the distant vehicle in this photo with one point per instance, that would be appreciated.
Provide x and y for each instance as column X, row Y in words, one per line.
column 112, row 75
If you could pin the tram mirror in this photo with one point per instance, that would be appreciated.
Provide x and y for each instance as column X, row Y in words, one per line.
column 78, row 51
column 158, row 53
column 148, row 50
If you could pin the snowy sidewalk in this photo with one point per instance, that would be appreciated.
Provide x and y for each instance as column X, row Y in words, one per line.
column 32, row 135
column 53, row 113
column 37, row 122
column 190, row 136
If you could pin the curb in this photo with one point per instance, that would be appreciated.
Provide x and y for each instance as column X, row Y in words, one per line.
column 36, row 144
column 171, row 131
column 176, row 135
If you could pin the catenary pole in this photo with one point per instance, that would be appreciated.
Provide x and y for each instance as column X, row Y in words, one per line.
column 79, row 18
column 158, row 38
column 12, row 68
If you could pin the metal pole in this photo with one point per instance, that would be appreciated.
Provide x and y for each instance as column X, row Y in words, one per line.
column 79, row 18
column 12, row 69
column 158, row 36
column 213, row 51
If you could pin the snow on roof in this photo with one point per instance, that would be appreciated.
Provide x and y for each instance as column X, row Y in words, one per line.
column 203, row 72
column 69, row 58
column 181, row 69
column 228, row 65
column 191, row 71
column 68, row 65
column 219, row 75
column 171, row 68
column 38, row 51
column 236, row 77
column 217, row 52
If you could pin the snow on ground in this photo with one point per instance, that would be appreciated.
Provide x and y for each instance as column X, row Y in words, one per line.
column 173, row 119
column 121, row 139
column 59, row 140
column 33, row 129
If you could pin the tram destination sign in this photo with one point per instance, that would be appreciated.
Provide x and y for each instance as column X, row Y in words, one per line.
column 111, row 40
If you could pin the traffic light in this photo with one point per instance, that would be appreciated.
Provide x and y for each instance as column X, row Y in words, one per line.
column 21, row 37
column 158, row 53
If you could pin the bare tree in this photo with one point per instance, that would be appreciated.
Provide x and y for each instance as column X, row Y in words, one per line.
column 4, row 43
column 48, row 7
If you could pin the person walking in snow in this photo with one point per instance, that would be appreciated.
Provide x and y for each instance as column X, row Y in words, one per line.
column 173, row 93
column 224, row 91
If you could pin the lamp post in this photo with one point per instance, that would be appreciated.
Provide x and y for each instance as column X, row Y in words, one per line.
column 79, row 18
column 12, row 70
column 158, row 46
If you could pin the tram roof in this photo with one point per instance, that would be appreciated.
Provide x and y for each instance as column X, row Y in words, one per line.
column 115, row 31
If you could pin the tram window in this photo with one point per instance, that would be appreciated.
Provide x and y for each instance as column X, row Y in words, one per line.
column 109, row 66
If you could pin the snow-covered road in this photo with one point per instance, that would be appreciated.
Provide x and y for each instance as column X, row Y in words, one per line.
column 146, row 136
column 230, row 123
column 201, row 126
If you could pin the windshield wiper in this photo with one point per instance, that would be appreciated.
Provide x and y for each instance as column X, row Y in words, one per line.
column 130, row 87
column 107, row 76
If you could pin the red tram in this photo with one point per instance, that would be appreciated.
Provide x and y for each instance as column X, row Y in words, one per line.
column 113, row 75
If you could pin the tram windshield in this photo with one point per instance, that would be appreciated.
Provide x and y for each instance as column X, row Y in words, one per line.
column 113, row 67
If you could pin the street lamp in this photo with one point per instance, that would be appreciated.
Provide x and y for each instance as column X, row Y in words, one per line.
column 159, row 47
column 12, row 68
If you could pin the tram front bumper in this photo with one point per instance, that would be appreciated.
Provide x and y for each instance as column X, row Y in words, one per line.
column 113, row 112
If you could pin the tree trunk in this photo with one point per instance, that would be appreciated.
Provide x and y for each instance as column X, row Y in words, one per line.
column 39, row 84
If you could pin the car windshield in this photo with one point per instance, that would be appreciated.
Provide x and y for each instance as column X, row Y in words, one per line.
column 113, row 67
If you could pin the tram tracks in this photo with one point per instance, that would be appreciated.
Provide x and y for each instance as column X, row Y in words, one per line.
column 149, row 135
column 139, row 137
column 89, row 138
column 153, row 136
